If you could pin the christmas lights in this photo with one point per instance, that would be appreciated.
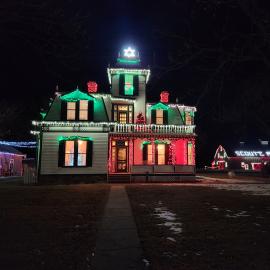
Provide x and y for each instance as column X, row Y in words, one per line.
column 73, row 138
column 21, row 144
column 117, row 71
column 159, row 106
column 164, row 96
column 75, row 96
column 129, row 52
column 92, row 87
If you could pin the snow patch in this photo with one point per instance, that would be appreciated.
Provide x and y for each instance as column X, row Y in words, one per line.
column 169, row 218
column 171, row 239
column 236, row 215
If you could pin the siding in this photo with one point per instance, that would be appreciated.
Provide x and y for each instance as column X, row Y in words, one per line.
column 49, row 157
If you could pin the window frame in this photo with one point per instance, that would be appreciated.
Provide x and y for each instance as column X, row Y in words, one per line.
column 76, row 153
column 71, row 110
column 129, row 112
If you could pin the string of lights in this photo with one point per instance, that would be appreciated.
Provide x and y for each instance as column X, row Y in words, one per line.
column 19, row 144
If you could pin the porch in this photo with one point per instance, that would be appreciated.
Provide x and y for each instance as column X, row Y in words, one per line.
column 151, row 155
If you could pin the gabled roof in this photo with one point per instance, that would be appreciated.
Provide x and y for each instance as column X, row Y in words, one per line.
column 10, row 150
column 76, row 95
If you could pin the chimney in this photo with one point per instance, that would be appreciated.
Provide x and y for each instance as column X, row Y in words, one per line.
column 92, row 87
column 164, row 96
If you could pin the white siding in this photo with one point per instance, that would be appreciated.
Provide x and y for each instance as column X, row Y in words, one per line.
column 49, row 157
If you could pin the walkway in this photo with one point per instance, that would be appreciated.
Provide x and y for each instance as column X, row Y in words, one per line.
column 118, row 246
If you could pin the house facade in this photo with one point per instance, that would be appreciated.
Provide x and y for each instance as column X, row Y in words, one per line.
column 116, row 133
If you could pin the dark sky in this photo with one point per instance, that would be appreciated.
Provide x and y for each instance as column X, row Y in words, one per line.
column 211, row 54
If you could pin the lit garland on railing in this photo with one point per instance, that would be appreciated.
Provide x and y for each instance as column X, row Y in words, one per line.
column 21, row 144
column 181, row 107
column 111, row 71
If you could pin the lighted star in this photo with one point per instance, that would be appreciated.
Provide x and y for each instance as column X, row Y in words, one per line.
column 129, row 52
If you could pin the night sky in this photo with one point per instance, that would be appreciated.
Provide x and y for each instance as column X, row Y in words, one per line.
column 211, row 54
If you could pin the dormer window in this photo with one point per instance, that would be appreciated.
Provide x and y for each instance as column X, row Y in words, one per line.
column 71, row 110
column 77, row 106
column 77, row 110
column 159, row 117
column 83, row 110
column 188, row 118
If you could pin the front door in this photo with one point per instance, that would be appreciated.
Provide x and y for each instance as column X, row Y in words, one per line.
column 121, row 159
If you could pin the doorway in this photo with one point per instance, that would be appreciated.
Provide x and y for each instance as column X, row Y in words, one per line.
column 122, row 159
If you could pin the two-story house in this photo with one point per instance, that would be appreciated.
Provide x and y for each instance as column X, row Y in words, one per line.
column 117, row 134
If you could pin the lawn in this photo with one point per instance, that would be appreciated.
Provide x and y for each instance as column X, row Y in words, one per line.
column 199, row 227
column 49, row 227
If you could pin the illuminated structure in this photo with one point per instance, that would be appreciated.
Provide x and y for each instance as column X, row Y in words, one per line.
column 245, row 159
column 117, row 133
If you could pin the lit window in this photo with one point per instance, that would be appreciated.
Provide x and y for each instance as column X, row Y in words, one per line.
column 149, row 154
column 188, row 118
column 129, row 88
column 122, row 113
column 75, row 153
column 83, row 114
column 71, row 110
column 161, row 154
column 69, row 153
column 82, row 146
column 190, row 153
column 159, row 117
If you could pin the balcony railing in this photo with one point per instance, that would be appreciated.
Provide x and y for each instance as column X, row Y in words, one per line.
column 113, row 127
column 151, row 128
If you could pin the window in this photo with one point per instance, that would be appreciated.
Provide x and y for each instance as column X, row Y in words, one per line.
column 122, row 113
column 190, row 153
column 149, row 154
column 81, row 110
column 69, row 153
column 71, row 110
column 75, row 153
column 129, row 88
column 188, row 118
column 161, row 154
column 83, row 114
column 159, row 117
column 82, row 145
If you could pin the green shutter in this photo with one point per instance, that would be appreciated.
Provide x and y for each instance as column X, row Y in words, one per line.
column 90, row 110
column 61, row 153
column 136, row 85
column 63, row 110
column 89, row 156
column 165, row 117
column 121, row 84
column 153, row 116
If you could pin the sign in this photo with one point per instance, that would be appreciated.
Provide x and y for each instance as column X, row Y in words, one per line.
column 251, row 153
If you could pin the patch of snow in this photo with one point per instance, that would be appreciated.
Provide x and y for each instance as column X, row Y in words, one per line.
column 236, row 215
column 171, row 239
column 250, row 189
column 146, row 262
column 169, row 219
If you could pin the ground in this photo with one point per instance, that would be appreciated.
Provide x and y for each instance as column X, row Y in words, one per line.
column 202, row 227
column 212, row 224
column 49, row 227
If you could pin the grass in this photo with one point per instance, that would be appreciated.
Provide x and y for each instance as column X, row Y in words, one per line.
column 49, row 227
column 216, row 234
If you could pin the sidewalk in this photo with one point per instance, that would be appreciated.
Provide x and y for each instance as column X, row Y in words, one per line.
column 118, row 246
